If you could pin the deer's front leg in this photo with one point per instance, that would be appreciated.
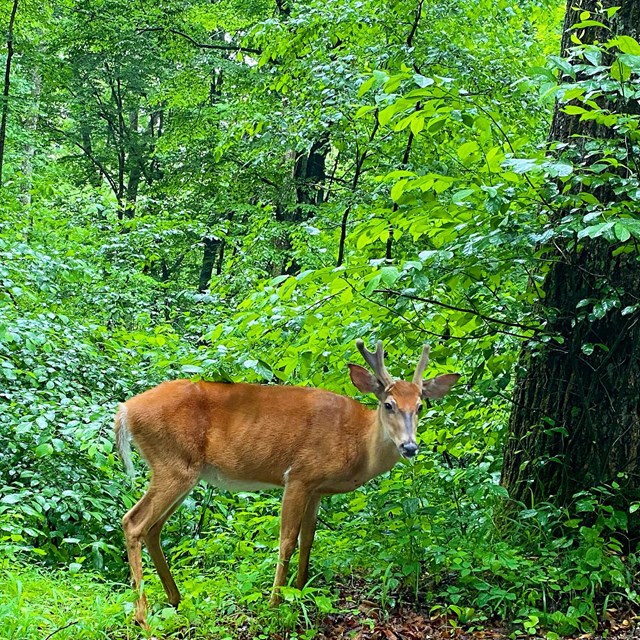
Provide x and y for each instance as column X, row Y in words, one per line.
column 307, row 532
column 294, row 502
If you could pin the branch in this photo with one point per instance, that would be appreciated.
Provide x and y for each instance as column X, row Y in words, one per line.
column 354, row 184
column 405, row 161
column 244, row 166
column 409, row 296
column 90, row 156
column 202, row 45
column 414, row 28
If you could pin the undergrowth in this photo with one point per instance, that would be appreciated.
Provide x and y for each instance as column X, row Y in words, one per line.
column 557, row 572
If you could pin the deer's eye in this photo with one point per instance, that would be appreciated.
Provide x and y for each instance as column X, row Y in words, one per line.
column 419, row 409
column 388, row 406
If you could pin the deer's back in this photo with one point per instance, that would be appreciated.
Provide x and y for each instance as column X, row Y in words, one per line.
column 250, row 432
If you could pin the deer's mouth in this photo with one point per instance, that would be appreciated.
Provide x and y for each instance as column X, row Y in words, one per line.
column 408, row 450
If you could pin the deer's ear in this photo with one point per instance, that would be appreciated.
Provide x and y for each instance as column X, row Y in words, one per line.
column 364, row 380
column 439, row 386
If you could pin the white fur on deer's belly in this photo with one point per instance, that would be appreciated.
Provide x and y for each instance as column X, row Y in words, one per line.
column 212, row 476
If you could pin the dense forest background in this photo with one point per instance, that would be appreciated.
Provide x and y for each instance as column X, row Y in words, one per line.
column 237, row 190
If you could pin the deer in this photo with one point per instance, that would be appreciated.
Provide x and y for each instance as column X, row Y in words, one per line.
column 247, row 437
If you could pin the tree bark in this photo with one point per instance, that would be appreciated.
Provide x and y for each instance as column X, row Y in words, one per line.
column 210, row 251
column 575, row 421
column 309, row 175
column 5, row 91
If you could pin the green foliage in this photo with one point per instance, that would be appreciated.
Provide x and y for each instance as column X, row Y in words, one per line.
column 440, row 194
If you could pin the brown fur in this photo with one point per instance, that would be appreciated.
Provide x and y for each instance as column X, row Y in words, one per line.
column 310, row 441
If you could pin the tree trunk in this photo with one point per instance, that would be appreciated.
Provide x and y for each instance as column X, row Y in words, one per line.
column 31, row 125
column 209, row 254
column 310, row 174
column 576, row 416
column 575, row 421
column 5, row 91
column 135, row 162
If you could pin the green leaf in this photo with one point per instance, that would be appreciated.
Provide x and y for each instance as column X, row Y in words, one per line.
column 191, row 368
column 388, row 275
column 573, row 109
column 372, row 284
column 465, row 150
column 387, row 113
column 558, row 169
column 563, row 65
column 630, row 60
column 398, row 189
column 459, row 196
column 366, row 85
column 362, row 111
column 620, row 71
column 522, row 165
column 43, row 450
column 588, row 23
column 626, row 44
column 417, row 124
column 621, row 232
column 595, row 231
column 423, row 81
column 593, row 557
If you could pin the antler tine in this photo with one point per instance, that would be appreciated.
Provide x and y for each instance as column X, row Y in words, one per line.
column 422, row 365
column 375, row 361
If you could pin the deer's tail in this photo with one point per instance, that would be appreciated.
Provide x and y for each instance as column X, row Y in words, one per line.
column 123, row 439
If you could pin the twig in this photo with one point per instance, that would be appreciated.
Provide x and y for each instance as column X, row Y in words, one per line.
column 202, row 45
column 326, row 524
column 66, row 626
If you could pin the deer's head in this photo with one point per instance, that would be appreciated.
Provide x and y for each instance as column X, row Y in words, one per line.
column 400, row 401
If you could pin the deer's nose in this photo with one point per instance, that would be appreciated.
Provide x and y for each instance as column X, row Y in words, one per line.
column 408, row 449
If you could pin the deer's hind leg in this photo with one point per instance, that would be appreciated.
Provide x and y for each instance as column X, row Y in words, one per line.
column 144, row 521
column 152, row 542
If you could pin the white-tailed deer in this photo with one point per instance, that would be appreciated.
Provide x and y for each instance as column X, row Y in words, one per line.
column 245, row 436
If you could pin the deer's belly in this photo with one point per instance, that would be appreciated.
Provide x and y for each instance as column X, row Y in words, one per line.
column 211, row 475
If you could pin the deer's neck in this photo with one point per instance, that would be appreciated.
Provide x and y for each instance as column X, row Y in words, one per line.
column 381, row 451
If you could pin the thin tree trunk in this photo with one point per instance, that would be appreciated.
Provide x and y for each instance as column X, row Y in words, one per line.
column 29, row 148
column 360, row 160
column 309, row 175
column 135, row 164
column 210, row 251
column 5, row 91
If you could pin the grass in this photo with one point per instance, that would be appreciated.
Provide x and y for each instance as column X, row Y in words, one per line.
column 36, row 605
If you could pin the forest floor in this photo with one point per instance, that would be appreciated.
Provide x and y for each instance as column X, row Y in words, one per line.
column 36, row 604
column 406, row 624
column 411, row 622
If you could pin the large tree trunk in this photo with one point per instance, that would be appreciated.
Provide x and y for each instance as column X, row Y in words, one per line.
column 575, row 421
column 5, row 91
